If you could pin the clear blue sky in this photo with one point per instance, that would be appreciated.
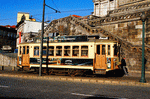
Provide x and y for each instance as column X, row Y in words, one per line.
column 10, row 8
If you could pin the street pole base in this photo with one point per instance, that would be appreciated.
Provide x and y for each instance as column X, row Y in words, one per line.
column 142, row 80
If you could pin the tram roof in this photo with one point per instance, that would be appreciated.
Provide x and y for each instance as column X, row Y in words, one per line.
column 90, row 41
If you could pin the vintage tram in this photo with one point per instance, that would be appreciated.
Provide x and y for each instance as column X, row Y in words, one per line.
column 74, row 57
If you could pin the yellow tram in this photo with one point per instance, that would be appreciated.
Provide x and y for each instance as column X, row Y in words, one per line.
column 96, row 57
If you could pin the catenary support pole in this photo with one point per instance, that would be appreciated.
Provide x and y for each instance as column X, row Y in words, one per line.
column 41, row 46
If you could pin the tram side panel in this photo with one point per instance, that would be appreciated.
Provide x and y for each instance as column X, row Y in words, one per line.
column 82, row 59
column 71, row 62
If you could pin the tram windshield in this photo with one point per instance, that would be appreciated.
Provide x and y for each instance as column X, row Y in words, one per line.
column 115, row 50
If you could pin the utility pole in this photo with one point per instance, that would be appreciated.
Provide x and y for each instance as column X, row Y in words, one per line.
column 41, row 47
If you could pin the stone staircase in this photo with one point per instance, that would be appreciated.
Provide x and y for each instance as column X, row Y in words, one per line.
column 120, row 26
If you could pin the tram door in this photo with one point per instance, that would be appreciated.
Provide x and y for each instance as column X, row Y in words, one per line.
column 25, row 56
column 100, row 57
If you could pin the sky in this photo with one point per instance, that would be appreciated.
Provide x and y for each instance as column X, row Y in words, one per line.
column 10, row 8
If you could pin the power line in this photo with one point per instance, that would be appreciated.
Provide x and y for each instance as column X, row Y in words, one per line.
column 71, row 11
column 7, row 19
column 53, row 9
column 51, row 13
column 55, row 12
column 55, row 5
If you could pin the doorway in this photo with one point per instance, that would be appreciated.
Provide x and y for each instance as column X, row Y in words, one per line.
column 100, row 57
column 25, row 56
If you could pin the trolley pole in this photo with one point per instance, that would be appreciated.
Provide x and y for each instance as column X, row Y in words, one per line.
column 143, row 18
column 41, row 46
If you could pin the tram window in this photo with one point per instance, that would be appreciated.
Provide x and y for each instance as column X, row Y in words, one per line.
column 98, row 49
column 44, row 50
column 108, row 49
column 66, row 50
column 20, row 50
column 115, row 49
column 51, row 51
column 75, row 51
column 59, row 51
column 103, row 50
column 84, row 51
column 36, row 50
column 23, row 49
column 27, row 49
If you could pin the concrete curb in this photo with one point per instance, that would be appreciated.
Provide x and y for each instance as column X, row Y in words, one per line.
column 85, row 80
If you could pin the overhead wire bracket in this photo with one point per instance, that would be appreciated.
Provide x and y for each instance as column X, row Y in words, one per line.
column 53, row 9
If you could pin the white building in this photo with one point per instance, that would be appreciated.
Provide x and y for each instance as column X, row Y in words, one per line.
column 102, row 6
column 25, row 28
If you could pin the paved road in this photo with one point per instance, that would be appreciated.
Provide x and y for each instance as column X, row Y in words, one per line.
column 13, row 87
column 131, row 79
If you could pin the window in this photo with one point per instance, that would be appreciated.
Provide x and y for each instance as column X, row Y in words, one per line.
column 14, row 36
column 36, row 50
column 14, row 43
column 98, row 49
column 75, row 51
column 4, row 33
column 27, row 49
column 1, row 32
column 103, row 50
column 23, row 49
column 108, row 49
column 51, row 51
column 8, row 34
column 115, row 50
column 44, row 50
column 20, row 50
column 59, row 51
column 67, row 51
column 84, row 51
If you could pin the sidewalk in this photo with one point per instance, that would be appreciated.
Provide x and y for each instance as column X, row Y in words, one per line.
column 131, row 80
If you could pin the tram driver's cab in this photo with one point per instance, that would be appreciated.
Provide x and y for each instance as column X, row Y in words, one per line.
column 106, row 58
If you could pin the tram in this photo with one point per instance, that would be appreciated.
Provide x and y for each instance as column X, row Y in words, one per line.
column 73, row 57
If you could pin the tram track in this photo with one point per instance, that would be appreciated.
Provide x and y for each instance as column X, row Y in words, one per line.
column 132, row 77
column 33, row 73
column 125, row 80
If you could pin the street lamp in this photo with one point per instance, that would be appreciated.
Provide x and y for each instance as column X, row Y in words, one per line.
column 143, row 18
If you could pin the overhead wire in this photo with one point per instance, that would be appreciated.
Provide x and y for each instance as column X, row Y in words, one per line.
column 52, row 13
column 55, row 12
column 55, row 5
column 58, row 9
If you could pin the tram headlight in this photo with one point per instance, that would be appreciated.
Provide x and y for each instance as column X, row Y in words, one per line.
column 108, row 63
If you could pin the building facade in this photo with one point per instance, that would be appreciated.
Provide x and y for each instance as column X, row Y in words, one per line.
column 102, row 7
column 7, row 38
column 26, row 30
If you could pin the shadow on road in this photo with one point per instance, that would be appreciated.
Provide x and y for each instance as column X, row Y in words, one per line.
column 14, row 98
